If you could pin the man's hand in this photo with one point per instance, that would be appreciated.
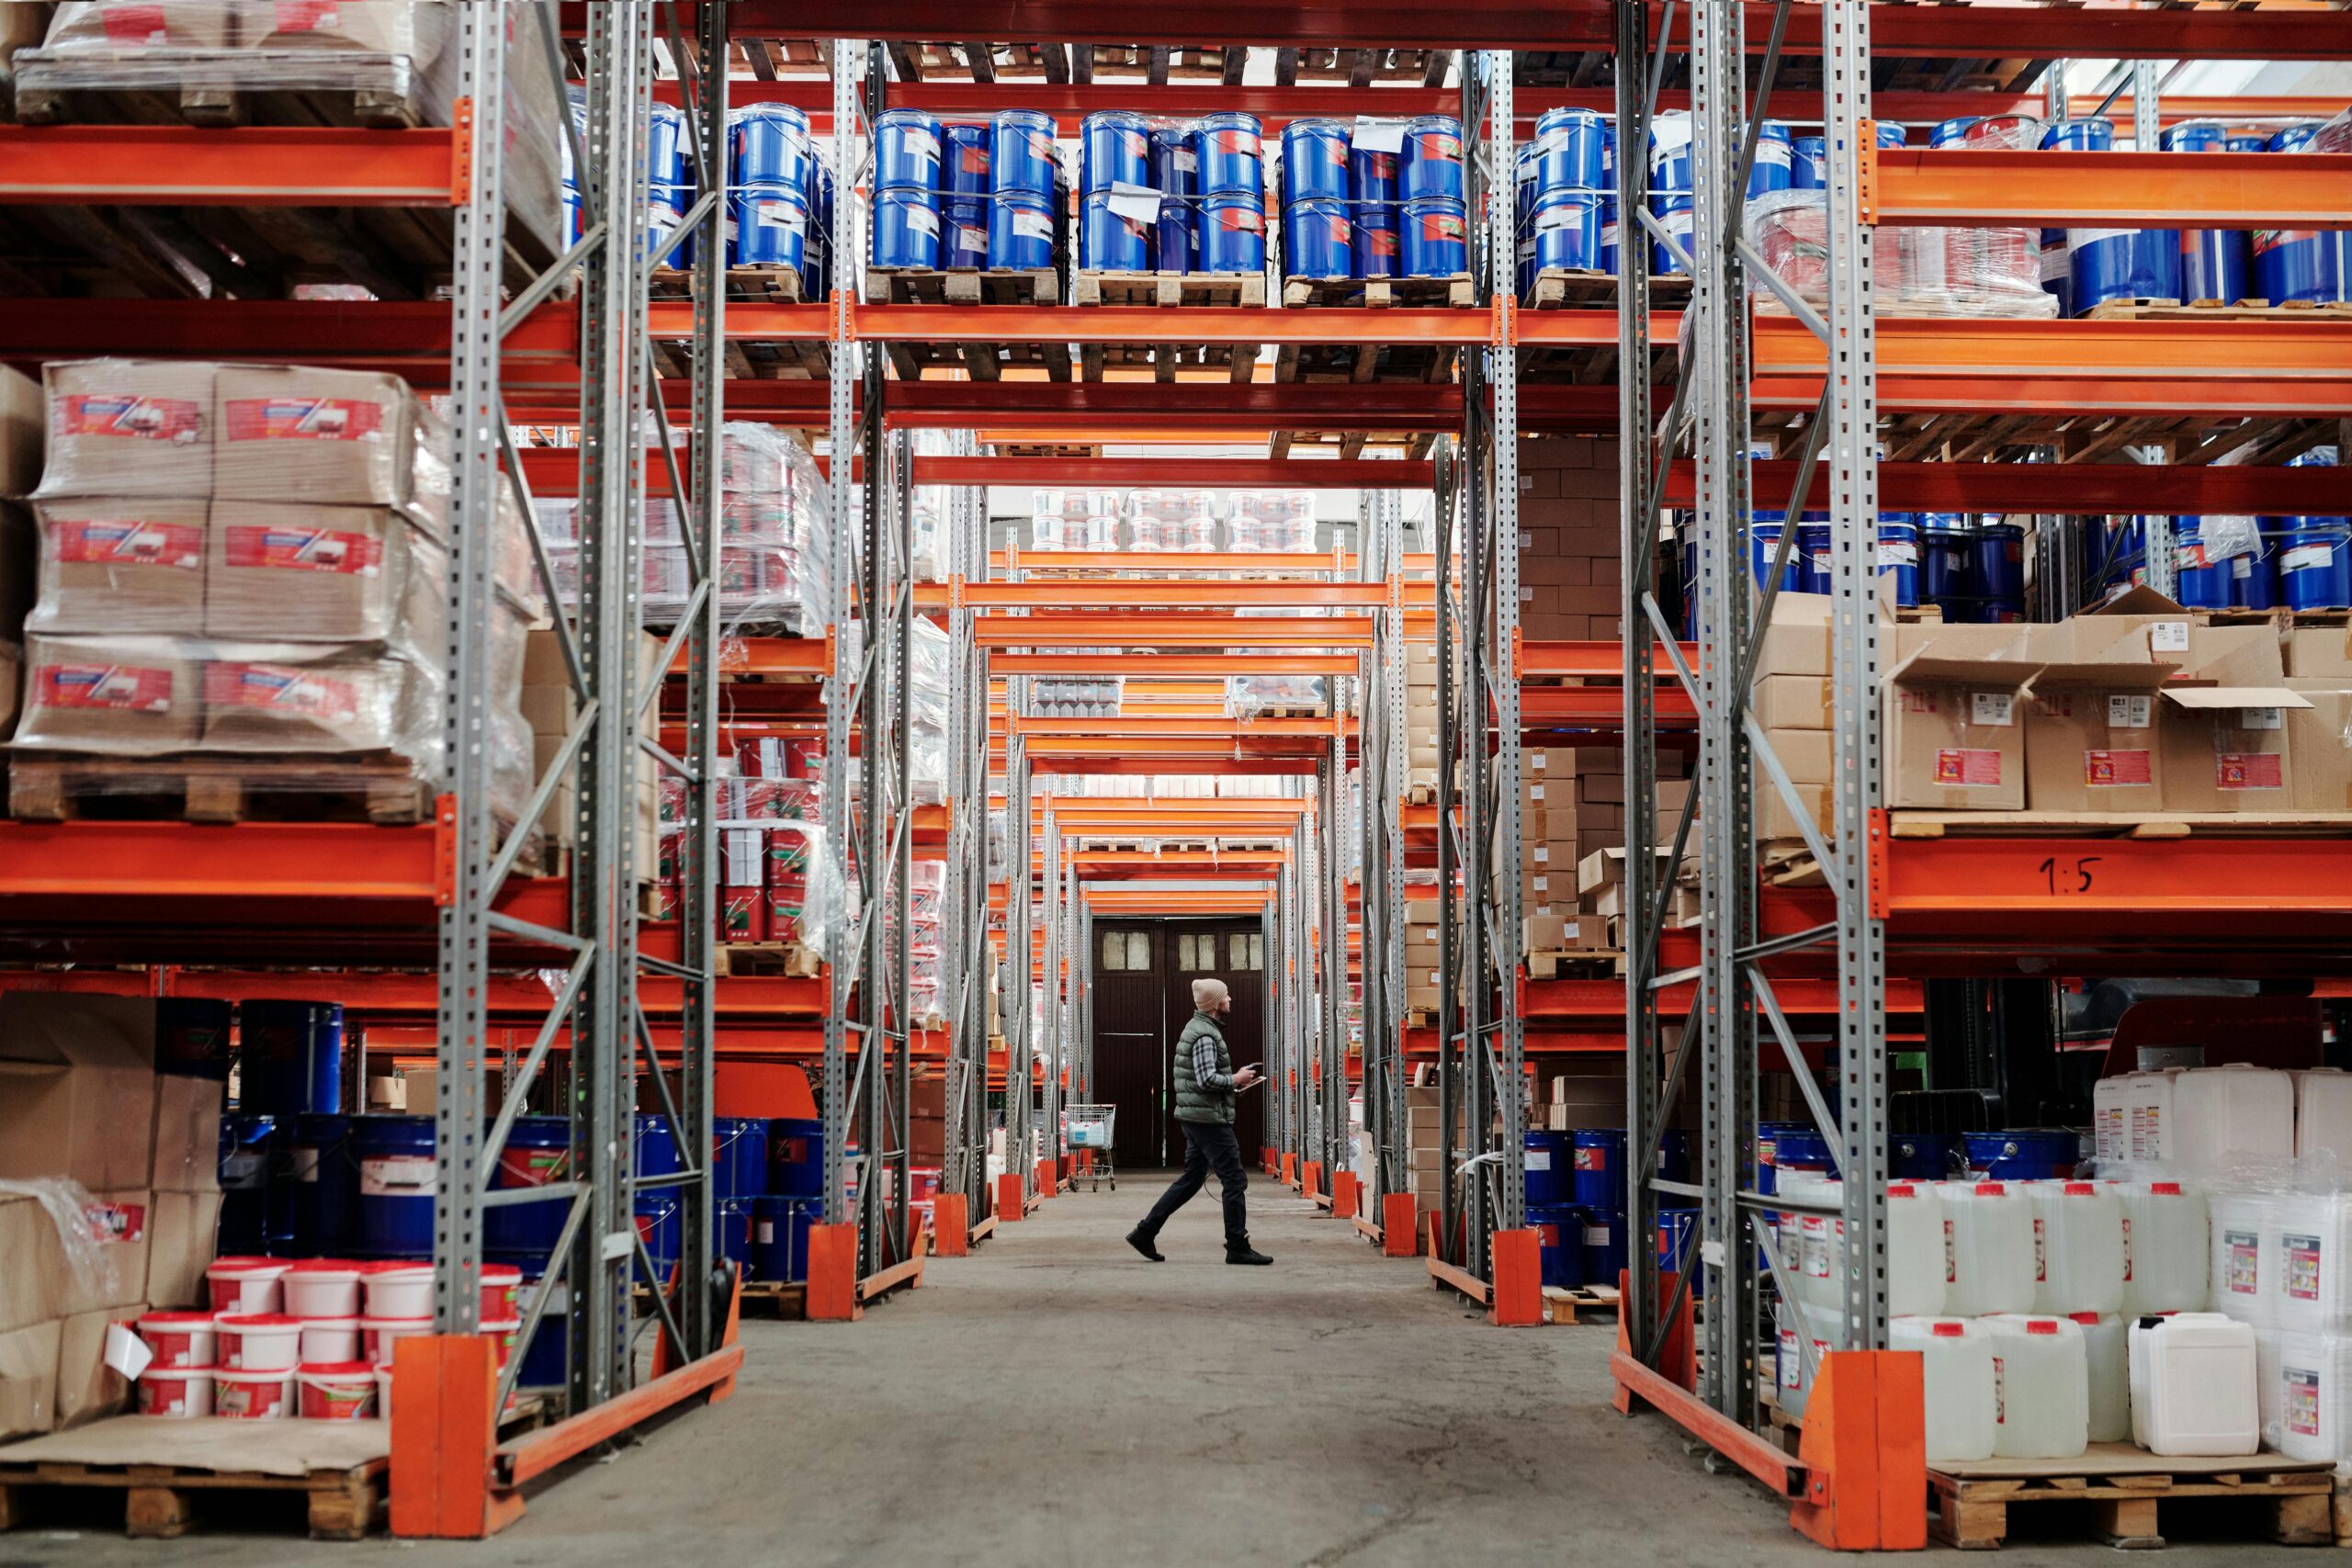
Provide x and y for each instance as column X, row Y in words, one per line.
column 1247, row 1077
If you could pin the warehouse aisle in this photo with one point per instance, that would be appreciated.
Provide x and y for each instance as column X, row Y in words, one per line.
column 1055, row 1399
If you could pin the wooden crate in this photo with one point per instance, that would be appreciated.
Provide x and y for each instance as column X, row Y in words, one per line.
column 161, row 1502
column 217, row 788
column 2123, row 1493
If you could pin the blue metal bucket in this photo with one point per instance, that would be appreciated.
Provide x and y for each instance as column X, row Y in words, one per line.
column 669, row 156
column 1176, row 237
column 2315, row 565
column 1315, row 162
column 656, row 1152
column 1022, row 153
column 767, row 145
column 1608, row 236
column 2254, row 579
column 1891, row 135
column 1809, row 164
column 290, row 1058
column 796, row 1156
column 1952, row 132
column 771, row 227
column 1571, row 151
column 1796, row 1147
column 1233, row 158
column 1114, row 148
column 1669, row 151
column 2113, row 264
column 192, row 1036
column 324, row 1172
column 2022, row 1154
column 1559, row 1236
column 1814, row 573
column 1999, row 556
column 964, row 230
column 664, row 1232
column 780, row 1236
column 963, row 159
column 1021, row 232
column 1566, row 228
column 906, row 228
column 1600, row 1169
column 1232, row 232
column 739, row 1165
column 2215, row 263
column 2297, row 264
column 537, row 1154
column 1673, row 213
column 1432, row 161
column 1110, row 242
column 1678, row 1246
column 1435, row 242
column 1317, row 240
column 1947, row 564
column 1374, row 250
column 730, row 1232
column 245, row 1174
column 1551, row 1167
column 1921, row 1157
column 1774, row 168
column 1898, row 555
column 2201, row 582
column 1674, row 1154
column 396, row 1185
column 1604, row 1248
column 1175, row 160
column 906, row 150
column 1763, row 543
column 1371, row 174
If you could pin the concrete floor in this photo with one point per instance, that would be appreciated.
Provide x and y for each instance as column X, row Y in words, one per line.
column 1055, row 1399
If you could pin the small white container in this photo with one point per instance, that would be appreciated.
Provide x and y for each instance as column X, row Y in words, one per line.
column 2231, row 1115
column 2132, row 1116
column 2041, row 1380
column 336, row 1390
column 398, row 1289
column 2077, row 1246
column 1991, row 1229
column 322, row 1287
column 2193, row 1385
column 1918, row 1255
column 378, row 1334
column 2324, row 1115
column 248, row 1285
column 258, row 1342
column 253, row 1395
column 178, row 1341
column 2167, row 1247
column 2313, row 1375
column 1796, row 1379
column 1957, row 1371
column 329, row 1340
column 176, row 1392
column 2108, row 1354
column 2245, row 1258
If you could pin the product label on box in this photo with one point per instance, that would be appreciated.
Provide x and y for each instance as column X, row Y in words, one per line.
column 178, row 420
column 2168, row 636
column 122, row 688
column 2302, row 1400
column 303, row 549
column 2130, row 710
column 396, row 1176
column 140, row 24
column 2301, row 1281
column 109, row 543
column 2147, row 1132
column 1996, row 708
column 115, row 1222
column 2249, row 770
column 308, row 16
column 2241, row 1268
column 2117, row 770
column 2262, row 719
column 1969, row 767
column 301, row 692
column 304, row 419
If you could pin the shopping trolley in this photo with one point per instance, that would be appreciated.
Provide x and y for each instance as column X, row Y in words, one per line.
column 1093, row 1128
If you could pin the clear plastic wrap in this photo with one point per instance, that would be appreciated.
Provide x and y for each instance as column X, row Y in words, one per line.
column 1266, row 521
column 1172, row 519
column 74, row 1214
column 779, row 885
column 1921, row 272
column 1074, row 520
column 402, row 49
column 1253, row 696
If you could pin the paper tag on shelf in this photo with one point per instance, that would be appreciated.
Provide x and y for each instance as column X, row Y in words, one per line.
column 1377, row 135
column 1140, row 203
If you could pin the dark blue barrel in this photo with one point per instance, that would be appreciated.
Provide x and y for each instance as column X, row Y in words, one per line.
column 906, row 150
column 1559, row 1236
column 1431, row 164
column 730, row 1232
column 1551, row 1167
column 1946, row 563
column 244, row 1184
column 2314, row 565
column 324, row 1169
column 906, row 228
column 2254, row 579
column 1232, row 158
column 1176, row 237
column 1798, row 1146
column 739, row 1164
column 2113, row 264
column 1566, row 228
column 1764, row 542
column 1670, row 165
column 1774, row 168
column 2201, row 579
column 1809, row 164
column 1999, row 556
column 1921, row 1157
column 2297, row 264
column 1604, row 1247
column 780, row 1236
column 1673, row 212
column 668, row 159
column 1950, row 132
column 2022, row 1154
column 771, row 227
column 1232, row 232
column 538, row 1152
column 192, row 1036
column 1608, row 235
column 1376, row 248
column 1175, row 160
column 1898, row 555
column 1677, row 1245
column 659, row 1226
column 1372, row 173
column 1600, row 1168
column 2215, row 263
column 964, row 230
column 1674, row 1154
column 1436, row 242
column 796, row 1156
column 1114, row 148
column 1524, row 191
column 545, row 1364
column 1317, row 240
column 656, row 1147
column 1112, row 242
column 1020, row 232
column 1571, row 149
column 1891, row 135
column 1022, row 153
column 767, row 144
column 290, row 1058
column 665, row 213
column 1814, row 570
column 963, row 159
column 396, row 1185
column 1314, row 161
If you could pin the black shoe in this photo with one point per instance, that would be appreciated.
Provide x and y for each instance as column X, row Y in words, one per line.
column 1247, row 1254
column 1142, row 1243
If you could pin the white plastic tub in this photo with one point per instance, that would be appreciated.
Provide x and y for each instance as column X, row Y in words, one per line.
column 248, row 1285
column 1956, row 1357
column 258, row 1342
column 336, row 1391
column 2106, row 1354
column 2077, row 1246
column 327, row 1340
column 2042, row 1384
column 378, row 1334
column 503, row 1334
column 252, row 1396
column 322, row 1287
column 398, row 1289
column 2167, row 1247
column 1991, row 1228
column 176, row 1392
column 2231, row 1115
column 2193, row 1385
column 178, row 1341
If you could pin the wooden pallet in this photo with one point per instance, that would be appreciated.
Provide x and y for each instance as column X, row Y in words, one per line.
column 1362, row 67
column 1168, row 291
column 217, row 788
column 159, row 1502
column 1912, row 824
column 1570, row 1304
column 2128, row 1491
column 776, row 1297
column 1290, row 710
column 1454, row 292
column 764, row 285
column 344, row 88
column 2215, row 309
column 969, row 286
column 1363, row 363
column 1566, row 289
column 2335, row 618
column 766, row 958
column 1158, row 63
column 1919, row 615
column 1573, row 963
column 1420, row 786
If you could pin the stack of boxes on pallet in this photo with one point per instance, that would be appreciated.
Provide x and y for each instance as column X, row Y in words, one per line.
column 1424, row 1120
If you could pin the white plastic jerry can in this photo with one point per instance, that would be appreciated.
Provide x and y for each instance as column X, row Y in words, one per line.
column 2231, row 1115
column 2309, row 1285
column 1917, row 1259
column 1991, row 1230
column 2106, row 1354
column 2166, row 1247
column 2312, row 1375
column 2193, row 1385
column 2042, row 1386
column 2324, row 1115
column 2077, row 1246
column 1956, row 1370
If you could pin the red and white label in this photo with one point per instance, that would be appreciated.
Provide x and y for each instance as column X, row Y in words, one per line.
column 2249, row 770
column 308, row 16
column 1237, row 217
column 119, row 688
column 2307, row 557
column 1239, row 143
column 396, row 1176
column 299, row 692
column 1968, row 767
column 105, row 542
column 141, row 25
column 2041, row 1251
column 2127, row 1249
column 303, row 549
column 2300, row 1281
column 304, row 419
column 2117, row 770
column 143, row 419
column 2302, row 1401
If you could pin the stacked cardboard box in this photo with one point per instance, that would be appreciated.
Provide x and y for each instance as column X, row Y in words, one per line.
column 1550, row 820
column 1569, row 545
column 1420, row 714
column 20, row 420
column 1423, row 979
column 1424, row 1118
column 548, row 705
column 1577, row 1099
column 81, row 1102
column 2319, row 671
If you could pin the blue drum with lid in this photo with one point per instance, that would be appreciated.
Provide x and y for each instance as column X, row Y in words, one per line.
column 244, row 1176
column 2200, row 582
column 780, row 1236
column 2215, row 263
column 1571, row 149
column 2000, row 560
column 1559, row 1239
column 2297, row 265
column 1608, row 235
column 1947, row 569
column 1112, row 241
column 1566, row 230
column 2254, row 579
column 1898, row 555
column 1673, row 213
column 1764, row 532
column 1922, row 1156
column 2113, row 264
column 1814, row 570
column 1551, row 1167
column 660, row 1228
column 1314, row 161
column 1432, row 164
column 537, row 1154
column 1802, row 1148
column 1768, row 1135
column 1372, row 173
column 290, row 1057
column 1808, row 167
column 1670, row 165
column 2022, row 1154
column 396, row 1185
column 656, row 1151
column 1233, row 162
column 1600, row 1169
column 1114, row 148
column 964, row 230
column 1604, row 1248
column 767, row 144
column 771, row 228
column 1232, row 232
column 963, row 159
column 1774, row 168
column 2315, row 564
column 1674, row 1154
column 669, row 157
column 1524, row 184
column 1175, row 162
column 1021, row 232
column 906, row 228
column 1375, row 247
column 1677, row 1245
column 906, row 150
column 1952, row 132
column 1176, row 237
column 1436, row 241
column 1317, row 240
column 796, row 1156
column 731, row 1232
column 1021, row 154
column 740, row 1161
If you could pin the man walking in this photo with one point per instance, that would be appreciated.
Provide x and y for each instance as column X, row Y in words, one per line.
column 1205, row 1087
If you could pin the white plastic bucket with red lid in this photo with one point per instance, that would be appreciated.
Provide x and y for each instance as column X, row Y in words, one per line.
column 178, row 1341
column 322, row 1287
column 399, row 1290
column 258, row 1342
column 330, row 1339
column 384, row 1393
column 252, row 1396
column 246, row 1284
column 178, row 1392
column 336, row 1391
column 501, row 1289
column 504, row 1336
column 377, row 1335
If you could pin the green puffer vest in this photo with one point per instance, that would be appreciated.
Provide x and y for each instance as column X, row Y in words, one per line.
column 1194, row 1103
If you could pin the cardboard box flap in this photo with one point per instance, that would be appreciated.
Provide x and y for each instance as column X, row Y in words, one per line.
column 2114, row 677
column 1923, row 668
column 2207, row 699
column 2141, row 600
column 68, row 1031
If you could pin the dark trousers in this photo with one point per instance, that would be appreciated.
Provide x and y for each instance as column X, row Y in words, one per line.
column 1207, row 1144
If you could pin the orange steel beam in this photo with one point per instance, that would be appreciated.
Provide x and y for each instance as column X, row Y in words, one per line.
column 1585, row 327
column 2093, row 488
column 1273, row 662
column 1124, row 865
column 178, row 165
column 1167, row 629
column 1139, row 323
column 1598, row 708
column 1947, row 186
column 1077, row 760
column 1092, row 594
column 1183, row 473
column 1147, row 731
column 2285, row 366
column 1586, row 660
column 520, row 1460
column 1172, row 561
column 1176, row 900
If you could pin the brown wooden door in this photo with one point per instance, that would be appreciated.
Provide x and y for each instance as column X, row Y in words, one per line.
column 1235, row 953
column 1131, row 1039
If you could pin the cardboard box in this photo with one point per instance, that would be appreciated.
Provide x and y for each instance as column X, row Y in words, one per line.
column 28, row 1380
column 1775, row 821
column 2091, row 735
column 323, row 437
column 1808, row 754
column 21, row 409
column 1955, row 731
column 28, row 1289
column 187, row 1134
column 181, row 1232
column 1606, row 868
column 336, row 697
column 126, row 427
column 1421, row 912
column 2319, row 740
column 2318, row 653
column 111, row 695
column 131, row 565
column 1545, row 933
column 1797, row 640
column 1792, row 702
column 2223, row 730
column 86, row 1387
column 388, row 1093
column 324, row 573
column 76, row 1089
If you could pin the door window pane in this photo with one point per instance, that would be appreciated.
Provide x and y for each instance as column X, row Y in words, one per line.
column 1248, row 950
column 1114, row 951
column 1138, row 950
